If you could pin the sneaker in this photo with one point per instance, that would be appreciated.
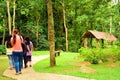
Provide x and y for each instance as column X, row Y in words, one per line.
column 26, row 66
column 11, row 68
column 30, row 65
column 20, row 72
column 16, row 73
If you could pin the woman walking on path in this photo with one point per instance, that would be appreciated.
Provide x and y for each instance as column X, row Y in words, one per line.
column 9, row 52
column 16, row 41
column 24, row 47
column 29, row 45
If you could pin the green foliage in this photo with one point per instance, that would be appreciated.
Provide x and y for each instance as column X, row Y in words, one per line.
column 91, row 55
column 111, row 53
column 43, row 43
column 95, row 55
column 1, row 28
column 73, row 46
column 84, row 51
column 60, row 43
column 2, row 49
column 118, row 43
column 80, row 15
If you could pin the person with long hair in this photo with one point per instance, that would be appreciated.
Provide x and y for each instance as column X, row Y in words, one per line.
column 9, row 52
column 17, row 51
column 29, row 52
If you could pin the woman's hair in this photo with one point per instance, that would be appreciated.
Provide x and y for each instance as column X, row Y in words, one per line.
column 14, row 35
column 27, row 40
column 8, row 44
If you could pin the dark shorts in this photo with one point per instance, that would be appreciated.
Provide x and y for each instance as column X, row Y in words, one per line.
column 28, row 58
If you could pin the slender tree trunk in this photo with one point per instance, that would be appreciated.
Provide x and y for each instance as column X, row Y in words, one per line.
column 51, row 33
column 66, row 30
column 37, row 31
column 3, row 32
column 14, row 14
column 9, row 16
column 110, row 24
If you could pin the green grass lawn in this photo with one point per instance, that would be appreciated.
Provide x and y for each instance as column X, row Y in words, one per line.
column 3, row 66
column 38, row 53
column 65, row 64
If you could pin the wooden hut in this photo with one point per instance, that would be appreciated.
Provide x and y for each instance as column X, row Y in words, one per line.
column 99, row 36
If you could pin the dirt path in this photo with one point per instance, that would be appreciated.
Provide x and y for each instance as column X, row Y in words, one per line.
column 30, row 74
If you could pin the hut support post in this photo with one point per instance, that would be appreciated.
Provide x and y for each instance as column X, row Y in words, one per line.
column 91, row 42
column 85, row 42
column 97, row 40
column 102, row 43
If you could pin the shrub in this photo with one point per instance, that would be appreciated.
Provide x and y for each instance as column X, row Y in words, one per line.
column 84, row 51
column 2, row 49
column 73, row 46
column 43, row 44
column 94, row 55
column 111, row 54
column 60, row 43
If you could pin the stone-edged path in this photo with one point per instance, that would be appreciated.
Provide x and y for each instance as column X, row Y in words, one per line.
column 30, row 74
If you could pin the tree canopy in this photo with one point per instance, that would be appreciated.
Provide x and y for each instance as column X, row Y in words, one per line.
column 31, row 18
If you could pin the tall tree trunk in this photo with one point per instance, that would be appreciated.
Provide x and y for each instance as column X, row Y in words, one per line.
column 3, row 32
column 37, row 31
column 110, row 24
column 51, row 33
column 14, row 14
column 66, row 30
column 9, row 16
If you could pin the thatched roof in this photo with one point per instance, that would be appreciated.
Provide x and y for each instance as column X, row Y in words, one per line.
column 99, row 35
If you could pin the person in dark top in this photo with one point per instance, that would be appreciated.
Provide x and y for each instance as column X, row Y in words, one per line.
column 29, row 52
column 24, row 47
